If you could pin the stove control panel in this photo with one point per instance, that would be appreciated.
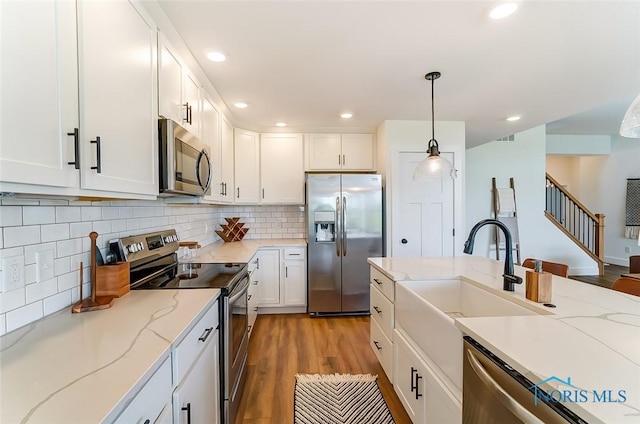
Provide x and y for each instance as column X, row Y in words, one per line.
column 143, row 246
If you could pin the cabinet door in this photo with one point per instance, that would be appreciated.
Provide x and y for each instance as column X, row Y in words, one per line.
column 226, row 163
column 39, row 83
column 169, row 81
column 281, row 168
column 357, row 152
column 324, row 152
column 211, row 137
column 191, row 105
column 295, row 283
column 246, row 146
column 269, row 287
column 118, row 103
column 166, row 416
column 196, row 400
column 409, row 379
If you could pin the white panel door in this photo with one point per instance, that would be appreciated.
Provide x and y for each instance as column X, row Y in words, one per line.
column 324, row 152
column 169, row 82
column 246, row 146
column 39, row 84
column 269, row 287
column 357, row 152
column 118, row 97
column 281, row 168
column 423, row 216
column 211, row 137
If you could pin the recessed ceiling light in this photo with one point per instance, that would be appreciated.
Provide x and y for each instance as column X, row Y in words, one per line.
column 240, row 105
column 503, row 10
column 281, row 124
column 346, row 115
column 513, row 118
column 216, row 57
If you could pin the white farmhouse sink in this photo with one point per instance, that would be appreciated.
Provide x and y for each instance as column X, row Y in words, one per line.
column 425, row 310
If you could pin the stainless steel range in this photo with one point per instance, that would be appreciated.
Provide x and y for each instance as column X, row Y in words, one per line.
column 154, row 265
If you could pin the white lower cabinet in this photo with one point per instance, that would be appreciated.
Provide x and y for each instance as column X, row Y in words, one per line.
column 151, row 401
column 295, row 277
column 269, row 287
column 166, row 416
column 283, row 279
column 253, row 294
column 424, row 396
column 381, row 307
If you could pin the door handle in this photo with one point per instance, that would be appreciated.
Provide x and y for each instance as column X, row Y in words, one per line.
column 338, row 215
column 404, row 241
column 221, row 189
column 76, row 148
column 510, row 403
column 186, row 111
column 98, row 166
column 344, row 226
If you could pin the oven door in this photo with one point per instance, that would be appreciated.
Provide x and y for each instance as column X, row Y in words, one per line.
column 236, row 342
column 185, row 166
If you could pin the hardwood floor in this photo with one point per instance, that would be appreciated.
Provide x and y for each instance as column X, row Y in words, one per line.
column 611, row 274
column 283, row 345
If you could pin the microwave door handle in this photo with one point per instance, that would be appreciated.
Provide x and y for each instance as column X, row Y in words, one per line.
column 510, row 403
column 204, row 186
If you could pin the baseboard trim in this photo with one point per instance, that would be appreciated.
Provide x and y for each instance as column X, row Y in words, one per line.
column 584, row 270
column 617, row 261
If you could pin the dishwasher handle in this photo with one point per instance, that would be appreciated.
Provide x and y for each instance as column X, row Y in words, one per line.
column 510, row 403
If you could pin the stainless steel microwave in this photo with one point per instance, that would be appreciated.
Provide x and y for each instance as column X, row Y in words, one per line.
column 185, row 165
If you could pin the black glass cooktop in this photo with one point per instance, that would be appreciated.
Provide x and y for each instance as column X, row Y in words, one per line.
column 195, row 276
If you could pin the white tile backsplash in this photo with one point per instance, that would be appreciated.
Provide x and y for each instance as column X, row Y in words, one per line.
column 29, row 226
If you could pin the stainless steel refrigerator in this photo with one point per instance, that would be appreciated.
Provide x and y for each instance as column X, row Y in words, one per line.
column 344, row 228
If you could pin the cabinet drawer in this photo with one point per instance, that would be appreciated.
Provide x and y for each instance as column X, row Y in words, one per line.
column 190, row 347
column 294, row 253
column 385, row 284
column 383, row 348
column 381, row 311
column 253, row 264
column 151, row 399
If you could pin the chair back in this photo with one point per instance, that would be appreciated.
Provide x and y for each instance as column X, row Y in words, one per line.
column 627, row 285
column 554, row 268
column 634, row 264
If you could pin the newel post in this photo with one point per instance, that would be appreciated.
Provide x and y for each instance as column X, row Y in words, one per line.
column 599, row 242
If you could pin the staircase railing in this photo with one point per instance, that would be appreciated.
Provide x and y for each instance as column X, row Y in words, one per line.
column 573, row 218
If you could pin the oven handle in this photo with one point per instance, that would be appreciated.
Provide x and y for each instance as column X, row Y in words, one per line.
column 152, row 276
column 242, row 290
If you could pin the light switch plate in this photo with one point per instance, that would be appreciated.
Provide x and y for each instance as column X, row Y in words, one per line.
column 44, row 265
column 12, row 273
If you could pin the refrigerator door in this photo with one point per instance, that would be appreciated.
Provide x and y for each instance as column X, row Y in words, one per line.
column 324, row 244
column 361, row 236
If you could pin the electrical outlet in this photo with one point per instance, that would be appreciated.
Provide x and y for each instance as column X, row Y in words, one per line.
column 12, row 273
column 627, row 249
column 44, row 265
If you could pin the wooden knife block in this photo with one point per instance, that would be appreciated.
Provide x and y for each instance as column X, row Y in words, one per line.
column 538, row 286
column 112, row 279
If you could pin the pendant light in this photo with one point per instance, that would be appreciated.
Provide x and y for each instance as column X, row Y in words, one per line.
column 433, row 166
column 630, row 126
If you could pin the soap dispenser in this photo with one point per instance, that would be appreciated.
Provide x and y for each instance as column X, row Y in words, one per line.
column 538, row 284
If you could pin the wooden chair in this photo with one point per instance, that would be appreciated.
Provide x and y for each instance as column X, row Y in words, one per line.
column 627, row 285
column 634, row 264
column 555, row 268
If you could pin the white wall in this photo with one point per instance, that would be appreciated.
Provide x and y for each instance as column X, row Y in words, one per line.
column 394, row 137
column 30, row 226
column 523, row 159
column 568, row 144
column 603, row 188
column 565, row 170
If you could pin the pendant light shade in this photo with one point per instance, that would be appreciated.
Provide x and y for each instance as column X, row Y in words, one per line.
column 630, row 126
column 433, row 166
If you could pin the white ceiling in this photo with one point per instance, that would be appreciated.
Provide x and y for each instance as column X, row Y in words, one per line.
column 305, row 62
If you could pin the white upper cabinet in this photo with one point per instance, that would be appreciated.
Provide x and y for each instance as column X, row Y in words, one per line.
column 117, row 83
column 192, row 105
column 340, row 152
column 246, row 145
column 39, row 102
column 281, row 168
column 170, row 70
column 211, row 136
column 225, row 187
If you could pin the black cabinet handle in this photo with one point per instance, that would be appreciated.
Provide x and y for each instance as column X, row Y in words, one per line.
column 418, row 394
column 147, row 421
column 76, row 148
column 205, row 335
column 188, row 409
column 255, row 309
column 190, row 115
column 257, row 263
column 377, row 346
column 339, row 160
column 413, row 371
column 249, row 297
column 286, row 272
column 238, row 192
column 377, row 310
column 98, row 166
column 263, row 193
column 414, row 386
column 377, row 281
column 186, row 111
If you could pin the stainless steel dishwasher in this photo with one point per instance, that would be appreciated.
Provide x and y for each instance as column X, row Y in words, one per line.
column 493, row 392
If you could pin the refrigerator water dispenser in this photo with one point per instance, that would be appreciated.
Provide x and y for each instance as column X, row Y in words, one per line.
column 325, row 226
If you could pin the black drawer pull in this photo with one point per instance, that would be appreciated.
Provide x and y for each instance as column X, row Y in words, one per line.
column 76, row 148
column 377, row 346
column 418, row 394
column 147, row 421
column 98, row 166
column 205, row 335
column 377, row 281
column 295, row 254
column 188, row 409
column 377, row 310
column 249, row 297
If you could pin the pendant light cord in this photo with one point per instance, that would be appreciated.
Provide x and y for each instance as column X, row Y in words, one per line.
column 433, row 127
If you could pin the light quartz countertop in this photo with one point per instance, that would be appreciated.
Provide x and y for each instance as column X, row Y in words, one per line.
column 592, row 336
column 240, row 251
column 85, row 368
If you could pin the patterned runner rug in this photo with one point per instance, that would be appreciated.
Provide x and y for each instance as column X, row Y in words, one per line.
column 339, row 399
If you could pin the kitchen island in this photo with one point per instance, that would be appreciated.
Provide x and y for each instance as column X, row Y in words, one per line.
column 87, row 367
column 592, row 336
